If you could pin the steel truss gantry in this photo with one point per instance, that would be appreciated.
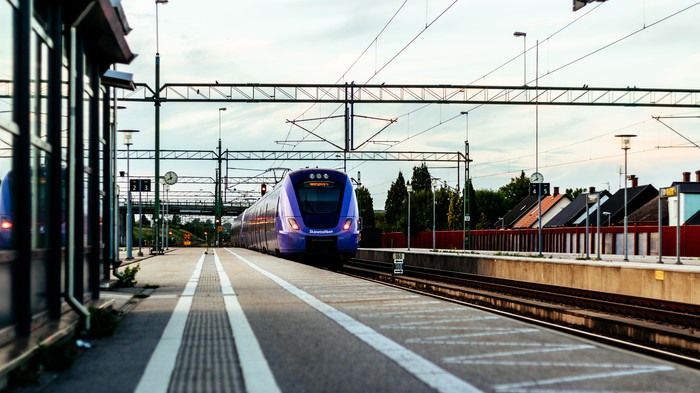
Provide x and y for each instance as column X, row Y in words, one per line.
column 415, row 93
column 271, row 155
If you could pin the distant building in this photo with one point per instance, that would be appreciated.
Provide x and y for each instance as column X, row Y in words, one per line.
column 689, row 196
column 613, row 210
column 575, row 213
column 551, row 206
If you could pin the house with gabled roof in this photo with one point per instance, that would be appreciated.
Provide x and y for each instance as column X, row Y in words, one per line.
column 551, row 206
column 575, row 211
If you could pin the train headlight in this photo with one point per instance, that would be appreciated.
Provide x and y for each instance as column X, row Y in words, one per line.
column 293, row 223
column 347, row 224
column 6, row 224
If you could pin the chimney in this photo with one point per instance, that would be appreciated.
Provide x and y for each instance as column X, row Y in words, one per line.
column 556, row 189
column 635, row 181
column 697, row 176
column 686, row 177
column 591, row 190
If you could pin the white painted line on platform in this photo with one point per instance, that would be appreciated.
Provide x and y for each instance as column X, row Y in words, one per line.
column 156, row 377
column 627, row 370
column 257, row 376
column 423, row 369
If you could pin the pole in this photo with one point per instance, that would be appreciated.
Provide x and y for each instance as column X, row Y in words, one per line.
column 659, row 241
column 585, row 242
column 465, row 197
column 167, row 224
column 115, row 196
column 625, row 221
column 140, row 253
column 597, row 228
column 129, row 223
column 678, row 226
column 537, row 148
column 524, row 60
column 409, row 222
column 434, row 218
column 156, row 207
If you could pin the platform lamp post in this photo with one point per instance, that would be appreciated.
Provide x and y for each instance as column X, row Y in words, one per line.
column 524, row 35
column 409, row 189
column 156, row 103
column 128, row 141
column 625, row 144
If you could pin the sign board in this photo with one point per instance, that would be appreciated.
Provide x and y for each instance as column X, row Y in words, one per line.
column 219, row 229
column 398, row 262
column 544, row 188
column 467, row 218
column 140, row 185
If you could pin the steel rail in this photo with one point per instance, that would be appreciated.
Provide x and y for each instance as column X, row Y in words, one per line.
column 624, row 310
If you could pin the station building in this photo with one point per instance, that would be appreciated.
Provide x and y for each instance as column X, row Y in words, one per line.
column 56, row 147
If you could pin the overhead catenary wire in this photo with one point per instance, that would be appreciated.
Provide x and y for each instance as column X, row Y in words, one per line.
column 597, row 50
column 398, row 53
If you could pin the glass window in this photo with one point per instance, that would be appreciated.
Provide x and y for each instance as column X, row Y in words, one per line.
column 6, row 215
column 6, row 60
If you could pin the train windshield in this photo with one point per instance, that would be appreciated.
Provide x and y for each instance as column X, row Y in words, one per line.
column 319, row 202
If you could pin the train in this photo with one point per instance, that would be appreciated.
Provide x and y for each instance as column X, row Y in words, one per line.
column 311, row 212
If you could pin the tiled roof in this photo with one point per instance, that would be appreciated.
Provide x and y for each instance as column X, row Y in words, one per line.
column 530, row 218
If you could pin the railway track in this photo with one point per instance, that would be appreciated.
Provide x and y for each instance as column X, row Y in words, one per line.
column 665, row 329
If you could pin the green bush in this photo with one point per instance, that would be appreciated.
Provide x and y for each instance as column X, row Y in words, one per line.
column 127, row 278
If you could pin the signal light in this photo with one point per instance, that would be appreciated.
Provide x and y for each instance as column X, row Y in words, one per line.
column 293, row 223
column 347, row 224
column 263, row 189
column 6, row 224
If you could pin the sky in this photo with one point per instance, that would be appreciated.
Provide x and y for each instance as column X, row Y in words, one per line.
column 317, row 41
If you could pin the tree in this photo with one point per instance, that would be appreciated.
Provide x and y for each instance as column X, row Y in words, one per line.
column 516, row 190
column 574, row 192
column 366, row 207
column 454, row 214
column 393, row 207
column 442, row 207
column 490, row 206
column 421, row 180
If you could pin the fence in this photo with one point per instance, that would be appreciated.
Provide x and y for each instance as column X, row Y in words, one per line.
column 642, row 240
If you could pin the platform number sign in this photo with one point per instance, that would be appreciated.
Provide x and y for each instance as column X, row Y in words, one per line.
column 544, row 189
column 140, row 185
column 398, row 262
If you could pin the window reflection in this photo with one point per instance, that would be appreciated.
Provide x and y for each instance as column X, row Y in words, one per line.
column 6, row 216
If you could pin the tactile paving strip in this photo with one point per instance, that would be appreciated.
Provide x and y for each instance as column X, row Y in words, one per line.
column 207, row 361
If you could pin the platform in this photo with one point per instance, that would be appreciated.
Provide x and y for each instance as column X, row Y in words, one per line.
column 235, row 321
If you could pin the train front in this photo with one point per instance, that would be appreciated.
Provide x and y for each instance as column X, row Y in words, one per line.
column 318, row 214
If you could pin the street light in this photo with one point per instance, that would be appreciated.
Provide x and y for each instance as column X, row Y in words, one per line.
column 128, row 136
column 409, row 188
column 156, row 103
column 625, row 144
column 524, row 35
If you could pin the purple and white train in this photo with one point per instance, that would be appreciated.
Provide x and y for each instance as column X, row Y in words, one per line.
column 310, row 212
